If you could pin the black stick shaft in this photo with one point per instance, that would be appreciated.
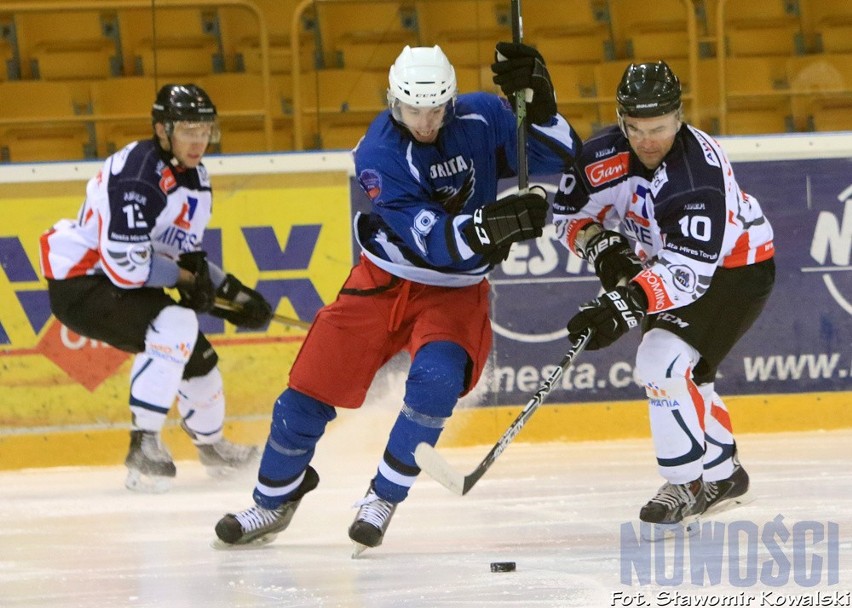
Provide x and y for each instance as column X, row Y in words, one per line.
column 520, row 105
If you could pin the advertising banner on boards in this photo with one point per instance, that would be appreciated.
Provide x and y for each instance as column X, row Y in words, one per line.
column 294, row 243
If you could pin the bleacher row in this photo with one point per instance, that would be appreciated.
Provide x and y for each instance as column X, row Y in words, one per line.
column 77, row 83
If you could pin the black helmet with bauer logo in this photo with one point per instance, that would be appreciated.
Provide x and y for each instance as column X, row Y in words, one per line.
column 647, row 90
column 183, row 103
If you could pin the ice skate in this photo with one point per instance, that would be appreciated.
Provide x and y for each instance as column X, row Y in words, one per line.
column 674, row 505
column 224, row 458
column 149, row 464
column 259, row 526
column 727, row 493
column 371, row 522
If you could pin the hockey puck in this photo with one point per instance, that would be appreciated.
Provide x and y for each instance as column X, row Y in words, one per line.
column 502, row 566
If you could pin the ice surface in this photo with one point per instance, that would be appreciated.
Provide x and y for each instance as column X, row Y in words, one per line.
column 74, row 537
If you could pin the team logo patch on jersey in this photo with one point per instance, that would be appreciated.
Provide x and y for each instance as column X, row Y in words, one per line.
column 684, row 278
column 608, row 169
column 661, row 178
column 167, row 180
column 139, row 255
column 371, row 182
column 423, row 224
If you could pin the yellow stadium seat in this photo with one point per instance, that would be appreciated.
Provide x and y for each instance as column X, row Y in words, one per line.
column 759, row 118
column 461, row 19
column 40, row 122
column 757, row 95
column 671, row 42
column 468, row 78
column 607, row 76
column 581, row 45
column 121, row 109
column 820, row 72
column 239, row 100
column 638, row 24
column 69, row 44
column 832, row 114
column 241, row 36
column 171, row 57
column 356, row 52
column 466, row 30
column 814, row 78
column 7, row 59
column 171, row 42
column 747, row 38
column 755, row 77
column 341, row 90
column 337, row 135
column 572, row 81
column 548, row 16
column 836, row 35
column 824, row 22
column 363, row 22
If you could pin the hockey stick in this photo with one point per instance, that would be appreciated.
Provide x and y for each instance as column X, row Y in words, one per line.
column 520, row 105
column 429, row 460
column 288, row 321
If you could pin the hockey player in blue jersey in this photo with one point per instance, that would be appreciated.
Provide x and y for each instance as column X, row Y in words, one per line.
column 430, row 164
column 654, row 206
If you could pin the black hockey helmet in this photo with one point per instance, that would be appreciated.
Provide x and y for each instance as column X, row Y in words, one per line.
column 182, row 102
column 647, row 90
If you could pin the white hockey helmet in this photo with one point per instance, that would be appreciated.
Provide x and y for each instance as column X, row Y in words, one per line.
column 422, row 77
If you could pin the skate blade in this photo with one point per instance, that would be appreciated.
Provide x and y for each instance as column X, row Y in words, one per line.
column 730, row 503
column 256, row 543
column 358, row 549
column 660, row 532
column 147, row 484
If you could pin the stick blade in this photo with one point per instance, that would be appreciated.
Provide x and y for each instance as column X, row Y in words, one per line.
column 429, row 460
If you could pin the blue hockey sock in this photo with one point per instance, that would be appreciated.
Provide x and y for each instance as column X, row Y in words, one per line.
column 298, row 422
column 435, row 381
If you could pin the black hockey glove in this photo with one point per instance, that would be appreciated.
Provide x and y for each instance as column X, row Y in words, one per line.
column 613, row 258
column 518, row 67
column 246, row 307
column 200, row 294
column 515, row 218
column 610, row 316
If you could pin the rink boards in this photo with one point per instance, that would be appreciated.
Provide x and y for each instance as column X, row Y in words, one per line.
column 283, row 223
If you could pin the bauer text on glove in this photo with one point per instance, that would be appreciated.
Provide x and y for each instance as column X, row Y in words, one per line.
column 613, row 258
column 610, row 316
column 519, row 67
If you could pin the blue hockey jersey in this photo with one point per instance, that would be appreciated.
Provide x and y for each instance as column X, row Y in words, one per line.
column 423, row 194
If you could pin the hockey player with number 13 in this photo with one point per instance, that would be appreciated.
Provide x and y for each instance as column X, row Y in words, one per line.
column 139, row 231
column 702, row 276
column 430, row 165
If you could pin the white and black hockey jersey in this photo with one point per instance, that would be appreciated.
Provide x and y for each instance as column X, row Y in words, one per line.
column 687, row 217
column 138, row 206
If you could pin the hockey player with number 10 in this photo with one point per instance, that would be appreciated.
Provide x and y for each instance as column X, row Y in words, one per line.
column 702, row 276
column 430, row 165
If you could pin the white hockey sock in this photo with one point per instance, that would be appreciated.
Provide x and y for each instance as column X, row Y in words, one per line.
column 718, row 434
column 664, row 362
column 157, row 372
column 201, row 403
